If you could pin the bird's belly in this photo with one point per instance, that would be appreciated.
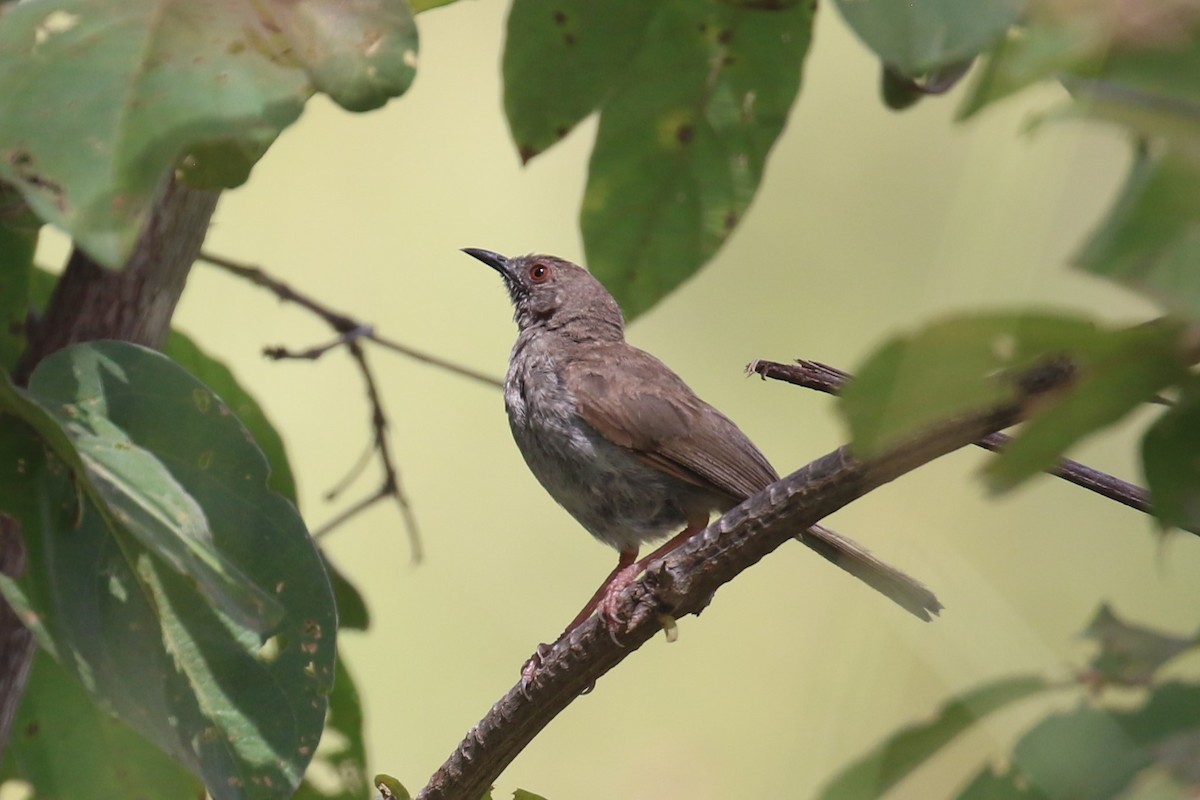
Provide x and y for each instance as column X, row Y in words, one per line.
column 606, row 488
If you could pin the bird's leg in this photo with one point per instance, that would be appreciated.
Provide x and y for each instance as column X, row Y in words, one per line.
column 605, row 600
column 624, row 562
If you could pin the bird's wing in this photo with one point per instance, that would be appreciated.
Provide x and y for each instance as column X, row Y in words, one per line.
column 634, row 400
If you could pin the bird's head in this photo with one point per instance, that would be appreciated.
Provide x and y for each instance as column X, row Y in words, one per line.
column 551, row 293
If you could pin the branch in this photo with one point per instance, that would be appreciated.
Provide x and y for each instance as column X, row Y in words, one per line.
column 342, row 323
column 824, row 378
column 684, row 583
column 351, row 332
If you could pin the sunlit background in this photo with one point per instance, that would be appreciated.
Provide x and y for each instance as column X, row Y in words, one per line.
column 869, row 223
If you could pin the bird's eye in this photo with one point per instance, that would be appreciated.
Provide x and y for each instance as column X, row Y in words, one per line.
column 539, row 273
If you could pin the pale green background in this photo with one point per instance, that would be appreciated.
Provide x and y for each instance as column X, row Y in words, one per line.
column 868, row 223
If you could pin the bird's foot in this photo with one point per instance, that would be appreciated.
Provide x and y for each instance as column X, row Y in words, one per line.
column 531, row 666
column 608, row 606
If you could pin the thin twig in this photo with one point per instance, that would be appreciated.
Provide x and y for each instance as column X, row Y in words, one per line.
column 350, row 335
column 824, row 378
column 342, row 323
column 684, row 583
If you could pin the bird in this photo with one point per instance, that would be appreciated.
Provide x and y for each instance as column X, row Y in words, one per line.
column 622, row 443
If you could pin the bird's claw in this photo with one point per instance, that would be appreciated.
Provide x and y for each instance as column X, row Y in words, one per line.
column 531, row 666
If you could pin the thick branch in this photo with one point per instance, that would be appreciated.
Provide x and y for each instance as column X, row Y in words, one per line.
column 90, row 302
column 684, row 583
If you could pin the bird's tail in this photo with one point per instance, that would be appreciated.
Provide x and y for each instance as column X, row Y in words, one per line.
column 858, row 561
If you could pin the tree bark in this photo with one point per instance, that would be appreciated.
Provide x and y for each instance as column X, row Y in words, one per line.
column 90, row 302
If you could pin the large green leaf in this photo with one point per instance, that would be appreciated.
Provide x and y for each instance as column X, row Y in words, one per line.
column 132, row 489
column 904, row 751
column 243, row 714
column 345, row 758
column 216, row 376
column 919, row 36
column 352, row 608
column 683, row 139
column 1150, row 240
column 561, row 60
column 66, row 747
column 104, row 97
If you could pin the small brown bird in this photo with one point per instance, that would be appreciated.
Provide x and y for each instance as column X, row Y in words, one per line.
column 622, row 443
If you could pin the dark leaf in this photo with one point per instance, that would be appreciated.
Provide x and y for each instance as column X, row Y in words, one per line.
column 243, row 714
column 683, row 140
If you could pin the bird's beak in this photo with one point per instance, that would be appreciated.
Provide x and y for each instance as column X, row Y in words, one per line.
column 493, row 260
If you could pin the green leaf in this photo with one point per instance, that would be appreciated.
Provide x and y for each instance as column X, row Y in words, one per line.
column 129, row 413
column 1171, row 460
column 243, row 714
column 65, row 746
column 921, row 36
column 390, row 788
column 352, row 608
column 1122, row 370
column 1095, row 753
column 216, row 376
column 902, row 752
column 361, row 53
column 134, row 88
column 1035, row 53
column 1150, row 240
column 521, row 794
column 950, row 367
column 683, row 140
column 419, row 6
column 353, row 614
column 1152, row 91
column 1130, row 655
column 970, row 364
column 991, row 784
column 345, row 757
column 560, row 62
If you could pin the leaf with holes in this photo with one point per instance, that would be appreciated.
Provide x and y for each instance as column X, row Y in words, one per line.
column 131, row 89
column 683, row 141
column 64, row 745
column 561, row 60
column 242, row 713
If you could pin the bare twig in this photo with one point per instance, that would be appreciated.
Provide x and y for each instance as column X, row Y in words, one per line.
column 350, row 335
column 683, row 583
column 824, row 378
column 342, row 323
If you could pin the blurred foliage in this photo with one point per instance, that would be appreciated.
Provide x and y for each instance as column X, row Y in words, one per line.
column 1136, row 65
column 1150, row 749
